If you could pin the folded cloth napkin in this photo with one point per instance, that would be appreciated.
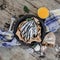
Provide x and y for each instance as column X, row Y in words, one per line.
column 14, row 42
column 4, row 42
column 52, row 23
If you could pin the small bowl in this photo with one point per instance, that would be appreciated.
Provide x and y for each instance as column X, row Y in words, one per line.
column 23, row 18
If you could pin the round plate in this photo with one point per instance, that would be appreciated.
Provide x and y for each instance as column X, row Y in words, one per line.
column 23, row 18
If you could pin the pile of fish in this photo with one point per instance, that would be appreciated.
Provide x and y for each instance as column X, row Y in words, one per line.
column 29, row 30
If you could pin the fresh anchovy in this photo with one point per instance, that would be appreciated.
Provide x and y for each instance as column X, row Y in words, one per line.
column 28, row 35
column 25, row 36
column 35, row 29
column 31, row 33
column 28, row 32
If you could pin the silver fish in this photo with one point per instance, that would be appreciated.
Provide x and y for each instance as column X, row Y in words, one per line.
column 29, row 29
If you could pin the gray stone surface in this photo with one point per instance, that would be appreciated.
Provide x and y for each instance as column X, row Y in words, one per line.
column 15, row 7
column 15, row 53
